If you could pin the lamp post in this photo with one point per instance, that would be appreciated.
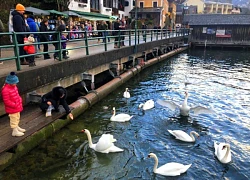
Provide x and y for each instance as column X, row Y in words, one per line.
column 135, row 50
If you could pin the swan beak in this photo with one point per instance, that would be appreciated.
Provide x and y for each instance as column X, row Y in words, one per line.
column 223, row 147
column 148, row 156
column 83, row 130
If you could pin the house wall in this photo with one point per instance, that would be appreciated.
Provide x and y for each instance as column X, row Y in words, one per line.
column 239, row 34
column 75, row 5
column 198, row 3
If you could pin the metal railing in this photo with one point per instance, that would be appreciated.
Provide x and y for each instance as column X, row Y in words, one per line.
column 142, row 36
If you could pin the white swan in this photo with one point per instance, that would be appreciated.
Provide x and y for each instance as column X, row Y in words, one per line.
column 181, row 135
column 105, row 143
column 147, row 105
column 126, row 94
column 184, row 108
column 223, row 152
column 120, row 117
column 169, row 169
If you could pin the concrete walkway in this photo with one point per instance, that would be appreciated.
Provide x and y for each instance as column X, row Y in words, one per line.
column 8, row 66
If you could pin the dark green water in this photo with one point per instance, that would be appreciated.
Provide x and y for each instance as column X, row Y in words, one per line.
column 220, row 81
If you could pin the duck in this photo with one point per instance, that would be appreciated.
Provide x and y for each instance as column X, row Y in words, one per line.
column 183, row 136
column 169, row 169
column 184, row 108
column 104, row 145
column 120, row 117
column 147, row 105
column 126, row 94
column 223, row 152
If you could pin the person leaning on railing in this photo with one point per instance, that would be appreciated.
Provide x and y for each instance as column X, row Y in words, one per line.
column 60, row 29
column 44, row 37
column 19, row 25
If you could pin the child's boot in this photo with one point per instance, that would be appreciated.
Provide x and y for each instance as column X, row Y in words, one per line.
column 21, row 129
column 15, row 132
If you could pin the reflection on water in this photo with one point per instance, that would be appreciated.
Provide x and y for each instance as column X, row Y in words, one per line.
column 215, row 79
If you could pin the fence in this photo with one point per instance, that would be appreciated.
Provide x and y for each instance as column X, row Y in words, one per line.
column 131, row 36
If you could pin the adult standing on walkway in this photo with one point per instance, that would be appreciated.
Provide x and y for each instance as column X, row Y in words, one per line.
column 19, row 25
column 116, row 32
column 55, row 98
column 44, row 37
column 122, row 28
column 33, row 28
column 13, row 103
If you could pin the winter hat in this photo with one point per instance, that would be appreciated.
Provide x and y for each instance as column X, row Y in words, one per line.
column 12, row 78
column 20, row 7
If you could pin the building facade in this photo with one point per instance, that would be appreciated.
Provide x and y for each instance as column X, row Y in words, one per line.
column 211, row 6
column 152, row 12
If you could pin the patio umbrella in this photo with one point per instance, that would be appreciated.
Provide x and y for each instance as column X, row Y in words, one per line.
column 36, row 11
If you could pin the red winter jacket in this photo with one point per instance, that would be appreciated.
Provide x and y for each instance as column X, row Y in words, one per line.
column 30, row 49
column 11, row 98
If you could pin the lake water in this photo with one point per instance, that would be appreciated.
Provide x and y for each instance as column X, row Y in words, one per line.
column 219, row 80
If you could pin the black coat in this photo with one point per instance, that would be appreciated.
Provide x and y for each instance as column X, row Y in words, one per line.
column 54, row 97
column 43, row 37
column 19, row 25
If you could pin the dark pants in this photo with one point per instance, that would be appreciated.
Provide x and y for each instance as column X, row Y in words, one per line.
column 45, row 49
column 22, row 52
column 56, row 54
column 31, row 59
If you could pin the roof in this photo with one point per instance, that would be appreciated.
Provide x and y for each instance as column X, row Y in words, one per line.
column 216, row 19
column 93, row 16
column 147, row 10
column 36, row 11
column 58, row 13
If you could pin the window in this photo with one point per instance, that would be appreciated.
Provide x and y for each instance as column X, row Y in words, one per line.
column 94, row 4
column 83, row 1
column 155, row 4
column 141, row 4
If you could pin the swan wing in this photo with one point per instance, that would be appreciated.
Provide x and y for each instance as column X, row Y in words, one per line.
column 103, row 144
column 121, row 117
column 148, row 105
column 109, row 136
column 172, row 169
column 126, row 94
column 201, row 110
column 169, row 104
column 115, row 149
column 181, row 135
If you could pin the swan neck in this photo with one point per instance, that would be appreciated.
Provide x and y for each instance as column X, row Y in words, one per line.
column 192, row 135
column 156, row 164
column 185, row 100
column 228, row 150
column 89, row 139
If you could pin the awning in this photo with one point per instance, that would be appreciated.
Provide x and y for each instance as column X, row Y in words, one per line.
column 71, row 13
column 58, row 13
column 36, row 11
column 93, row 16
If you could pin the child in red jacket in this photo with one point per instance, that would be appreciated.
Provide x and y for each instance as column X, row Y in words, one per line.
column 13, row 103
column 30, row 49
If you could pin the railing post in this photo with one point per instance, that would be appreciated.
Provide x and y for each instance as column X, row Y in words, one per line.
column 105, row 39
column 161, row 33
column 138, row 35
column 16, row 51
column 157, row 34
column 119, row 39
column 151, row 31
column 59, row 45
column 129, row 36
column 86, row 42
